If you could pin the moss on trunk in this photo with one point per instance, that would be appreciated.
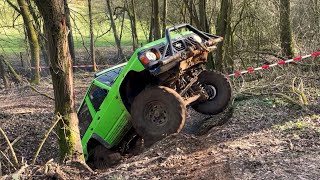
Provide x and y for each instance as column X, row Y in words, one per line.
column 33, row 40
column 53, row 13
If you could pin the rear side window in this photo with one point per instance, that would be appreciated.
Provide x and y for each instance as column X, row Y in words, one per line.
column 97, row 95
column 84, row 119
column 109, row 77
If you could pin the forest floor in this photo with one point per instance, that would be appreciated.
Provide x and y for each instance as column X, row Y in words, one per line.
column 264, row 138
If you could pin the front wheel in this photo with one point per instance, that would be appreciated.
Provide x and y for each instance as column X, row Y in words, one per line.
column 157, row 112
column 218, row 88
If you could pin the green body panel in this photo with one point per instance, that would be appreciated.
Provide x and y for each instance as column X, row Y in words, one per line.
column 112, row 120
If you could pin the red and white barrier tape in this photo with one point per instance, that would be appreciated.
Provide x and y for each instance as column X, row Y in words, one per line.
column 239, row 73
column 76, row 66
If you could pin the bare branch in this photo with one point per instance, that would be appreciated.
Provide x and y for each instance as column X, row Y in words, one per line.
column 16, row 162
column 13, row 6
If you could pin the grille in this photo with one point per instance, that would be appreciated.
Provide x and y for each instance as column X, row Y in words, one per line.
column 179, row 46
column 162, row 49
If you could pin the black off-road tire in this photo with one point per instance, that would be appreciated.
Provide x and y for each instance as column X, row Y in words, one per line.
column 157, row 112
column 223, row 93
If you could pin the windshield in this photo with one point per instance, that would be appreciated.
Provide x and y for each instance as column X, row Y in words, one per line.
column 109, row 77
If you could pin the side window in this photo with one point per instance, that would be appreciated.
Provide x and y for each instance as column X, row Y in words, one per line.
column 97, row 95
column 84, row 119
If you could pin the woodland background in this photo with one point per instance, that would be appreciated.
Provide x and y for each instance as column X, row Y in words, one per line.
column 272, row 131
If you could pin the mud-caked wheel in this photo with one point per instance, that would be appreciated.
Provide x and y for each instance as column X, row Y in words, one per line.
column 219, row 91
column 157, row 112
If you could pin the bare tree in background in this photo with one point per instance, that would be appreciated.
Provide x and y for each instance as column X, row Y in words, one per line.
column 32, row 39
column 156, row 18
column 3, row 73
column 194, row 19
column 53, row 13
column 204, row 26
column 131, row 9
column 287, row 44
column 115, row 32
column 70, row 35
column 92, row 46
column 164, row 17
column 223, row 27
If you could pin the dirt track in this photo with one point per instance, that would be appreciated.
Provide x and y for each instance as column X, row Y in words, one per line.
column 265, row 138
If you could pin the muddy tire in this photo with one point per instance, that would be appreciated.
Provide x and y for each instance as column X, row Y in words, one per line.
column 220, row 93
column 157, row 112
column 104, row 158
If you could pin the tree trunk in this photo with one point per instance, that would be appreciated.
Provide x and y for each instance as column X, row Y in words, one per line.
column 164, row 17
column 286, row 36
column 32, row 39
column 224, row 60
column 133, row 23
column 224, row 30
column 70, row 34
column 115, row 32
column 41, row 39
column 151, row 31
column 156, row 14
column 193, row 13
column 203, row 16
column 190, row 9
column 3, row 73
column 92, row 46
column 53, row 13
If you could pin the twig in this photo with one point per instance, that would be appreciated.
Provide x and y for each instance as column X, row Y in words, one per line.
column 265, row 52
column 13, row 143
column 82, row 39
column 41, row 93
column 5, row 156
column 16, row 162
column 59, row 117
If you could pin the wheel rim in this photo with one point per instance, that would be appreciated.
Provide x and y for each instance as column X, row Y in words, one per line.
column 156, row 113
column 211, row 91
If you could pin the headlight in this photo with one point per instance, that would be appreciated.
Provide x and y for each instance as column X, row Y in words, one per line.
column 151, row 56
column 197, row 38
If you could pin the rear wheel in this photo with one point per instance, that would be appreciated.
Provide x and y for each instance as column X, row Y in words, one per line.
column 157, row 112
column 219, row 91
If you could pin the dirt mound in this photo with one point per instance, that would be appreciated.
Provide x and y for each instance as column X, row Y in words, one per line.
column 258, row 141
column 263, row 138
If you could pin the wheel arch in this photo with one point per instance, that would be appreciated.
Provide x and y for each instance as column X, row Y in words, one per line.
column 133, row 84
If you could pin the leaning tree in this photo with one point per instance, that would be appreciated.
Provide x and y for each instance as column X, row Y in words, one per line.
column 53, row 13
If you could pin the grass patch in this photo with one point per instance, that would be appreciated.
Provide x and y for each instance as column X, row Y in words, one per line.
column 305, row 123
column 12, row 39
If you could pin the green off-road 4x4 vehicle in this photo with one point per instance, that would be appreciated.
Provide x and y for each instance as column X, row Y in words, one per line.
column 147, row 97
